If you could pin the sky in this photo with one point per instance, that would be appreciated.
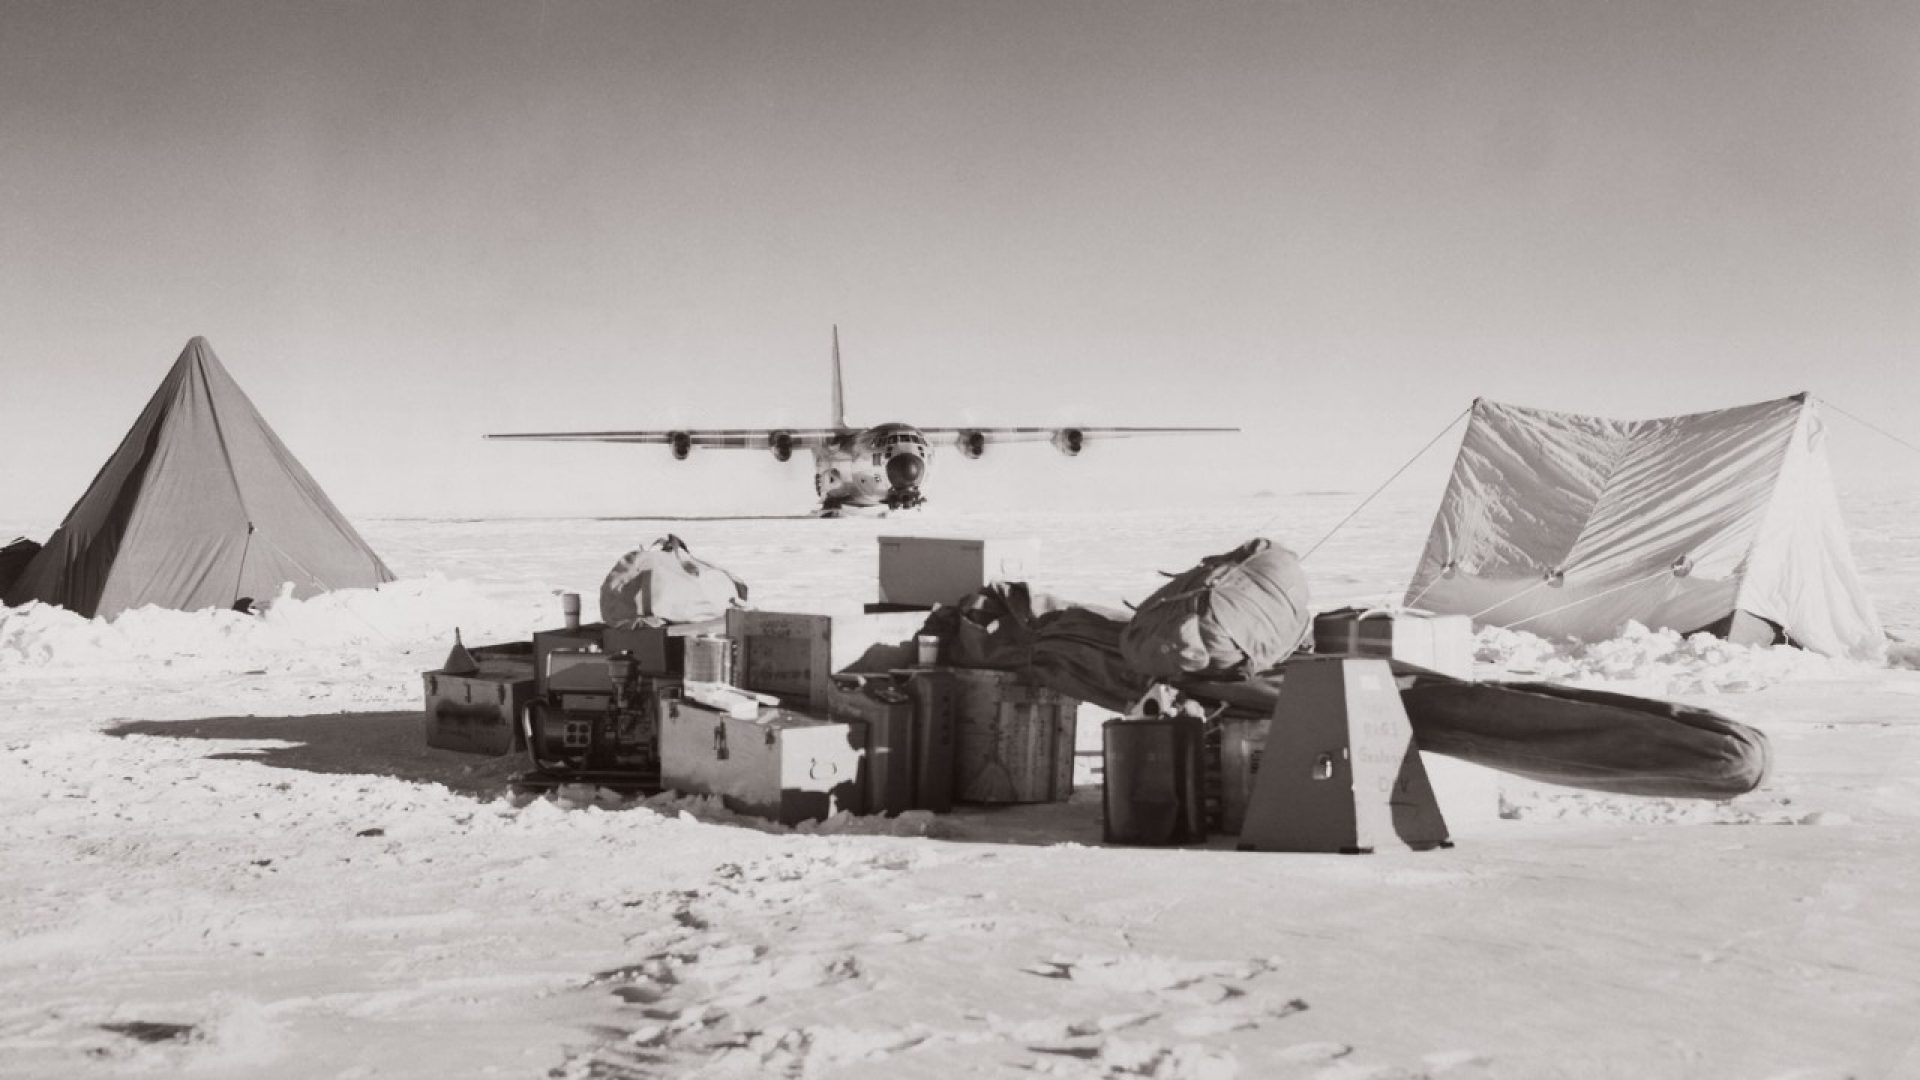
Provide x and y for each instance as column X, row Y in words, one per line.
column 1333, row 225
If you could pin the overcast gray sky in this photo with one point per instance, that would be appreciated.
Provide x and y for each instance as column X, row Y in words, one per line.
column 1333, row 224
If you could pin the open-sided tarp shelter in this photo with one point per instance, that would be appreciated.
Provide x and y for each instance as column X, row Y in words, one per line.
column 1569, row 525
column 200, row 506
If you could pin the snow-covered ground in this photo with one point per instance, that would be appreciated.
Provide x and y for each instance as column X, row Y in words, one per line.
column 225, row 850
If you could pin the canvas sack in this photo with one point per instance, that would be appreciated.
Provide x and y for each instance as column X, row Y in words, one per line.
column 664, row 581
column 1235, row 614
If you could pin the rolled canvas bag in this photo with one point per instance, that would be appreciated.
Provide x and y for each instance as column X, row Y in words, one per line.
column 664, row 581
column 1578, row 737
column 1235, row 614
column 1587, row 738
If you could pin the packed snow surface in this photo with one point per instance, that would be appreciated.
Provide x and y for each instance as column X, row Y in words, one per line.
column 227, row 851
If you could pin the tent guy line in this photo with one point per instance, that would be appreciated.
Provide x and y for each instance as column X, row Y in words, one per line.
column 1384, row 484
column 1868, row 424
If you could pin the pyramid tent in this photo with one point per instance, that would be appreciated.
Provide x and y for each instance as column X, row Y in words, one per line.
column 1569, row 525
column 201, row 506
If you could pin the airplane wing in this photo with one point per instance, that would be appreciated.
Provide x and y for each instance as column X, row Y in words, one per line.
column 1047, row 434
column 973, row 441
column 715, row 438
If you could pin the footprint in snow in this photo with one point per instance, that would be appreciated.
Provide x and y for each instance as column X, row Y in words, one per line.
column 1441, row 1062
column 1309, row 1053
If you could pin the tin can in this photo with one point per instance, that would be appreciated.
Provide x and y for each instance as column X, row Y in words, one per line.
column 929, row 650
column 710, row 659
column 570, row 609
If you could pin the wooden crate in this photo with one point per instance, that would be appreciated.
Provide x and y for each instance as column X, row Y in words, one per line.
column 1013, row 739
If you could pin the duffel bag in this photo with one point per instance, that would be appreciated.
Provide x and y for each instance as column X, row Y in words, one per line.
column 1235, row 614
column 665, row 581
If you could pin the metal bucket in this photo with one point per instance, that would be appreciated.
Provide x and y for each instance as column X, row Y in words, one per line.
column 1153, row 791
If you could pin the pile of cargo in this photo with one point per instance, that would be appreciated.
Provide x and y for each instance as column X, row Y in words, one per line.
column 791, row 716
column 1241, row 711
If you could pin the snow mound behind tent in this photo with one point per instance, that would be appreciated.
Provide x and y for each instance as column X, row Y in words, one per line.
column 400, row 617
column 1655, row 663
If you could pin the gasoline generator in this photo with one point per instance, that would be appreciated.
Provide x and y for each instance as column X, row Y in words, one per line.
column 597, row 723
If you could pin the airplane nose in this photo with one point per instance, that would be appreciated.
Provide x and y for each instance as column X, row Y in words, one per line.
column 905, row 470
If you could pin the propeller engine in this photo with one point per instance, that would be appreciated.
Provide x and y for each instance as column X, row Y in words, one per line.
column 972, row 444
column 682, row 444
column 1069, row 441
column 781, row 443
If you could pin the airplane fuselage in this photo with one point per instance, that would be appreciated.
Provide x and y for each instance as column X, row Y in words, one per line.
column 880, row 466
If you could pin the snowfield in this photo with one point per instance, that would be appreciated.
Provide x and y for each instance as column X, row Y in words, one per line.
column 227, row 851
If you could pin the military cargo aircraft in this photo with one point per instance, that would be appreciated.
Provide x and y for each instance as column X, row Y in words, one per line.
column 862, row 469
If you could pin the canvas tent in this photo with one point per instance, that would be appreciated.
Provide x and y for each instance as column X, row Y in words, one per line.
column 1569, row 525
column 201, row 506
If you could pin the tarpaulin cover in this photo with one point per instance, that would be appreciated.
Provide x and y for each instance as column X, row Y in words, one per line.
column 200, row 506
column 1568, row 525
column 1074, row 649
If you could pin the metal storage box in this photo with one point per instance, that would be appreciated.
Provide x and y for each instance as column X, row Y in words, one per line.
column 795, row 656
column 1013, row 738
column 1442, row 643
column 780, row 765
column 478, row 713
column 922, row 571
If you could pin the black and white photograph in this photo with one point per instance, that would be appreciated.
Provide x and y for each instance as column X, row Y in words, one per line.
column 909, row 539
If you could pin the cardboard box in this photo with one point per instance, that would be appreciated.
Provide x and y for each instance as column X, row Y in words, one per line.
column 781, row 765
column 1442, row 643
column 1013, row 738
column 909, row 722
column 795, row 656
column 479, row 713
column 929, row 570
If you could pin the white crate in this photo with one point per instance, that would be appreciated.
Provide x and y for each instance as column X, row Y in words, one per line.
column 928, row 570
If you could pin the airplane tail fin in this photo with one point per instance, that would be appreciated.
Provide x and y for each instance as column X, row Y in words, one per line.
column 839, row 393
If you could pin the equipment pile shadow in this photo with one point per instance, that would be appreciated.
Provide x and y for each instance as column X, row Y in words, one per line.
column 343, row 744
